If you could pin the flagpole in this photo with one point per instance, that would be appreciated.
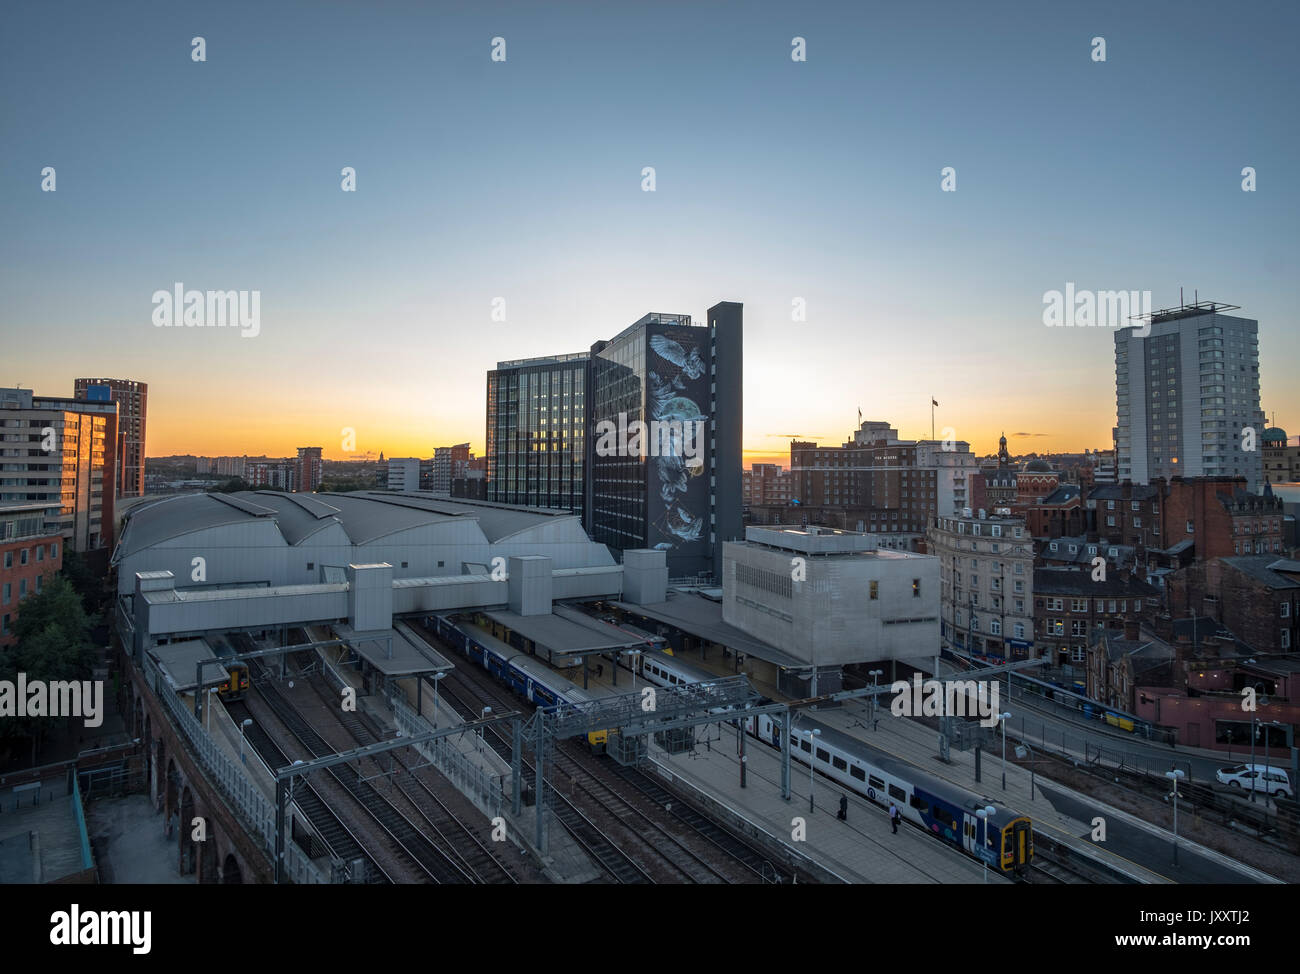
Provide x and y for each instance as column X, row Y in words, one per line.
column 932, row 417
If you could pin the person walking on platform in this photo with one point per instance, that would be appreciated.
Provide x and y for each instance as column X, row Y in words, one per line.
column 844, row 808
column 893, row 816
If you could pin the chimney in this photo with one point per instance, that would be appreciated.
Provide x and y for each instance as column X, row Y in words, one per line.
column 1132, row 629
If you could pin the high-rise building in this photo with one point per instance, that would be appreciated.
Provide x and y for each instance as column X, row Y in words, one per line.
column 1185, row 395
column 536, row 431
column 668, row 476
column 310, row 470
column 132, row 400
column 449, row 463
column 681, row 492
column 61, row 453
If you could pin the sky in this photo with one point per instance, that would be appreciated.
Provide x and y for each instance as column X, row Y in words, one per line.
column 522, row 180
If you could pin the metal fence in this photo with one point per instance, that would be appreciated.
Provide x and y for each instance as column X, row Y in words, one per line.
column 486, row 790
column 1073, row 744
column 255, row 811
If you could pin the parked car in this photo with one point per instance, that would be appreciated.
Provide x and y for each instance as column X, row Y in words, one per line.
column 1265, row 779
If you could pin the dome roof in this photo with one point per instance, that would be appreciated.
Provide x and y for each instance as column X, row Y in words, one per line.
column 1038, row 466
column 1275, row 433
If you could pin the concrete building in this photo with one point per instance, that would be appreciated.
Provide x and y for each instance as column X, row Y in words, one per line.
column 30, row 552
column 61, row 453
column 986, row 578
column 132, row 400
column 1281, row 462
column 1185, row 392
column 449, row 463
column 831, row 598
column 404, row 474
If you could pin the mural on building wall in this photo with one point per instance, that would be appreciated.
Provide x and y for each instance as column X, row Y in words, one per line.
column 676, row 385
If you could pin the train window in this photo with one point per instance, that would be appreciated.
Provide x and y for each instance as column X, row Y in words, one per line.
column 944, row 817
column 858, row 773
column 877, row 783
column 897, row 793
column 838, row 763
column 805, row 745
column 823, row 755
column 920, row 804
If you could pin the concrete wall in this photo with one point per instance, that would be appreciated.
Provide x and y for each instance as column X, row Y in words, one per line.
column 829, row 616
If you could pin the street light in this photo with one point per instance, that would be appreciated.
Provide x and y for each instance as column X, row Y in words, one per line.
column 208, row 706
column 1022, row 744
column 875, row 675
column 984, row 814
column 483, row 715
column 247, row 723
column 436, row 677
column 1004, row 718
column 812, row 756
column 1266, row 727
column 1175, row 776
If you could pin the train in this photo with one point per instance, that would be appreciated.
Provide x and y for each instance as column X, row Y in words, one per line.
column 524, row 674
column 944, row 810
column 235, row 686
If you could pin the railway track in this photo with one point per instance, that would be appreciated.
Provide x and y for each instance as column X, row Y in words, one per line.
column 342, row 844
column 685, row 863
column 617, row 864
column 424, row 857
column 459, row 840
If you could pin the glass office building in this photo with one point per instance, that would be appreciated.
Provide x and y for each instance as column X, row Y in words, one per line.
column 536, row 432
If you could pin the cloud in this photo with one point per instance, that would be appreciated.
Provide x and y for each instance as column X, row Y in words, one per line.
column 1031, row 434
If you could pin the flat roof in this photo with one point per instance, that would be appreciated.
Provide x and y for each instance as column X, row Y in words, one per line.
column 566, row 631
column 702, row 617
column 178, row 661
column 395, row 652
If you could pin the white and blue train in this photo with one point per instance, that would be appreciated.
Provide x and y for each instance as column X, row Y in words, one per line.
column 944, row 810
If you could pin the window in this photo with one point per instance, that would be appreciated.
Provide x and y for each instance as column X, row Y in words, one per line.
column 805, row 745
column 823, row 755
column 875, row 589
column 1286, row 639
column 439, row 564
column 1190, row 528
column 40, row 552
column 311, row 565
column 54, row 550
column 1078, row 654
column 995, row 627
column 8, row 593
column 1056, row 627
column 403, row 564
column 1110, row 505
column 858, row 773
column 839, row 764
column 1286, row 610
column 22, row 559
column 1078, row 605
column 1056, row 605
column 895, row 792
column 876, row 783
column 916, row 588
column 920, row 804
column 1020, row 630
column 22, row 589
column 9, row 559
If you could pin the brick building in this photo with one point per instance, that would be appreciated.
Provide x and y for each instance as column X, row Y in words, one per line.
column 1069, row 607
column 766, row 484
column 309, row 468
column 30, row 552
column 1059, row 514
column 1127, row 514
column 1219, row 517
column 1257, row 597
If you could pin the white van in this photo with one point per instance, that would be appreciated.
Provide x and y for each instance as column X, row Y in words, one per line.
column 1265, row 780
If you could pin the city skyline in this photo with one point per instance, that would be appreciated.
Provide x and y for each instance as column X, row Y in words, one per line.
column 377, row 305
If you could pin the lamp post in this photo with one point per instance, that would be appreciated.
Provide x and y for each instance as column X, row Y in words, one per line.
column 436, row 678
column 1175, row 776
column 1004, row 718
column 812, row 768
column 1254, row 772
column 244, row 725
column 633, row 656
column 984, row 814
column 482, row 716
column 1266, row 727
column 875, row 682
column 208, row 706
